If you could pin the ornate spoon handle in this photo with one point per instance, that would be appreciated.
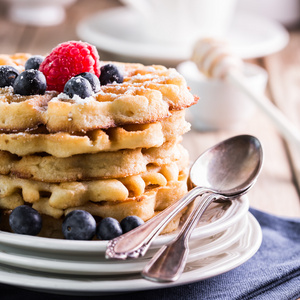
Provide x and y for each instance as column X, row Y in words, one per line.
column 135, row 243
column 168, row 263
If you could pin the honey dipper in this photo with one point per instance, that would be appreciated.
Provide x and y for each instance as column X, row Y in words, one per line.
column 214, row 59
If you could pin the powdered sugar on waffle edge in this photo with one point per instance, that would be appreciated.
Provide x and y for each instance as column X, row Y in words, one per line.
column 74, row 99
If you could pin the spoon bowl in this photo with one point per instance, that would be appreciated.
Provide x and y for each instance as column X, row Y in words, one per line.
column 228, row 167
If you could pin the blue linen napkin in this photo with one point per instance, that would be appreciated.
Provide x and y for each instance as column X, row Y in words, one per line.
column 272, row 273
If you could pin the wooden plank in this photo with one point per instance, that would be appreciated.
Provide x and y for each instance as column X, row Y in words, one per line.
column 10, row 36
column 284, row 69
column 40, row 40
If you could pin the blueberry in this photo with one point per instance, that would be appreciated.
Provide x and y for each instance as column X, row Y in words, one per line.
column 79, row 225
column 8, row 75
column 34, row 62
column 25, row 220
column 108, row 229
column 109, row 74
column 93, row 80
column 30, row 82
column 130, row 223
column 78, row 86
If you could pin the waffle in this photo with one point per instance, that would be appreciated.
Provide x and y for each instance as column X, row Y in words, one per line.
column 64, row 144
column 90, row 166
column 15, row 191
column 144, row 206
column 154, row 198
column 114, row 154
column 16, row 60
column 29, row 109
column 147, row 95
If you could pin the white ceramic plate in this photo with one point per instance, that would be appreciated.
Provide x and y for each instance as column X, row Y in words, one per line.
column 97, row 265
column 118, row 31
column 197, row 270
column 216, row 219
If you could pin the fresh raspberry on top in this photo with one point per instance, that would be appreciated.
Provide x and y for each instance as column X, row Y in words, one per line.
column 67, row 60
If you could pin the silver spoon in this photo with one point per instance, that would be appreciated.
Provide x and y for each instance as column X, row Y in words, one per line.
column 168, row 263
column 228, row 168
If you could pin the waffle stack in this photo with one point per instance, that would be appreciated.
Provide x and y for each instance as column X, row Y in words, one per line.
column 114, row 154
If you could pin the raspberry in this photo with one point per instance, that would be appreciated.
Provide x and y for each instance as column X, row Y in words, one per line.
column 67, row 60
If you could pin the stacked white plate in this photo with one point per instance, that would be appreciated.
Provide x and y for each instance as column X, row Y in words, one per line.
column 227, row 236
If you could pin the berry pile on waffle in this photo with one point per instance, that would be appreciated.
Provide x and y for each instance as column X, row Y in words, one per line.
column 90, row 140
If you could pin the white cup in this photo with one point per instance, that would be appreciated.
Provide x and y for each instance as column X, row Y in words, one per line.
column 221, row 104
column 287, row 12
column 177, row 21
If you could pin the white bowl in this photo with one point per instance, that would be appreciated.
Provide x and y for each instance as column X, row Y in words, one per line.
column 38, row 12
column 221, row 105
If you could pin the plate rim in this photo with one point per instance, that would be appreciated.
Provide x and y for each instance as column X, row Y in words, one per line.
column 66, row 246
column 90, row 285
column 96, row 266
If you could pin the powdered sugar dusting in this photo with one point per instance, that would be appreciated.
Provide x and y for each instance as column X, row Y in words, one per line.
column 75, row 99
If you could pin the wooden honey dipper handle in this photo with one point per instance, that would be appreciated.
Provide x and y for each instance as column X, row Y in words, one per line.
column 214, row 59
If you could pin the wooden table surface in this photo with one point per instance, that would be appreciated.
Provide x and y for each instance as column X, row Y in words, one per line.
column 277, row 190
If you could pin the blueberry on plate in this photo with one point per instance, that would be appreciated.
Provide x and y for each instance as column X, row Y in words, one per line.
column 109, row 73
column 79, row 225
column 93, row 80
column 34, row 62
column 8, row 75
column 78, row 86
column 25, row 220
column 30, row 82
column 108, row 229
column 130, row 223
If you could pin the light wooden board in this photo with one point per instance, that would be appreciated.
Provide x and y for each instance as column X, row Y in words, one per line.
column 284, row 69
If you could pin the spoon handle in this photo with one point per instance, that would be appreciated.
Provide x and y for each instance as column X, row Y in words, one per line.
column 136, row 242
column 168, row 263
column 281, row 122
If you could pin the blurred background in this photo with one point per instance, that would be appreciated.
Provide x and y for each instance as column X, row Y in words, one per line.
column 263, row 33
column 150, row 31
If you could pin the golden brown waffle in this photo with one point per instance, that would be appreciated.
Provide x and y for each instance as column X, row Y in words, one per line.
column 114, row 139
column 144, row 206
column 16, row 60
column 15, row 191
column 114, row 154
column 154, row 199
column 147, row 95
column 90, row 166
column 21, row 112
column 28, row 109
